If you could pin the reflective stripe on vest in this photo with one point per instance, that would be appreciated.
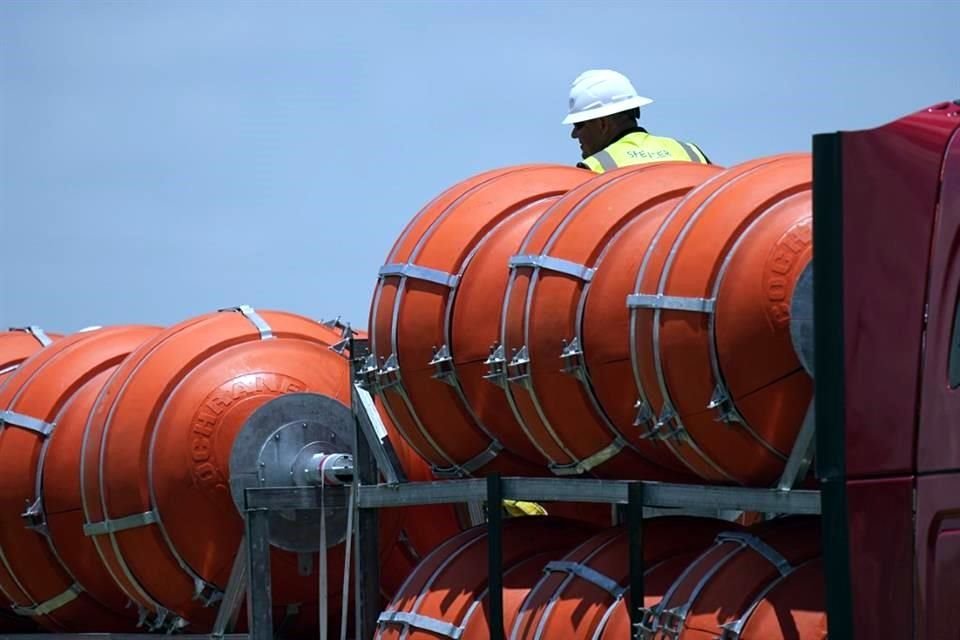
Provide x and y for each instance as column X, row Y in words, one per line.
column 640, row 148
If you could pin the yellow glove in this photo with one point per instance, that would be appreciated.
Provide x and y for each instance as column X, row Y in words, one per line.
column 522, row 508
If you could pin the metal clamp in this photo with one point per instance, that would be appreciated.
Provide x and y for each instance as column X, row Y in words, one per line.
column 35, row 518
column 119, row 524
column 592, row 576
column 420, row 621
column 520, row 363
column 644, row 417
column 442, row 362
column 588, row 463
column 721, row 402
column 388, row 375
column 416, row 272
column 162, row 621
column 366, row 375
column 773, row 556
column 14, row 419
column 549, row 263
column 496, row 366
column 571, row 354
column 667, row 426
column 50, row 605
column 206, row 593
column 671, row 303
column 248, row 312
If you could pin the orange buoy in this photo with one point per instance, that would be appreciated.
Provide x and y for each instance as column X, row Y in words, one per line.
column 576, row 596
column 551, row 390
column 447, row 593
column 719, row 382
column 49, row 569
column 720, row 586
column 160, row 460
column 19, row 343
column 791, row 607
column 412, row 363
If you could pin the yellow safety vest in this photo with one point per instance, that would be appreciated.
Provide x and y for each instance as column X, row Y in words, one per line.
column 640, row 147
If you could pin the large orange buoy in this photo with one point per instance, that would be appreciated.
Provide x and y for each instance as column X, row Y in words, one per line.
column 719, row 381
column 720, row 586
column 162, row 464
column 576, row 596
column 413, row 362
column 49, row 569
column 551, row 391
column 447, row 593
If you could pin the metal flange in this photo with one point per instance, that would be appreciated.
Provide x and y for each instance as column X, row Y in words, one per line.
column 277, row 447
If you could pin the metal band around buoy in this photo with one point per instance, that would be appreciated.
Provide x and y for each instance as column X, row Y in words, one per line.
column 773, row 556
column 420, row 621
column 120, row 524
column 248, row 312
column 592, row 576
column 50, row 605
column 559, row 265
column 670, row 303
column 14, row 419
column 37, row 333
column 416, row 272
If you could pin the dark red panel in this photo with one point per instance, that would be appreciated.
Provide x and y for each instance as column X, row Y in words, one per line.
column 938, row 443
column 891, row 179
column 938, row 556
column 880, row 518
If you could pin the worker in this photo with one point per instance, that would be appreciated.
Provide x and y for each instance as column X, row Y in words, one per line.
column 604, row 110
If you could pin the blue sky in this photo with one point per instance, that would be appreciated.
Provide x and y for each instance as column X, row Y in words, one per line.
column 163, row 159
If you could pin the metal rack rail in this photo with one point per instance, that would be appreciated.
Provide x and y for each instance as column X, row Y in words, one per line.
column 374, row 459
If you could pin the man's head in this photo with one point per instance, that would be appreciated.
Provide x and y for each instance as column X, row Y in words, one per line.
column 596, row 134
column 603, row 103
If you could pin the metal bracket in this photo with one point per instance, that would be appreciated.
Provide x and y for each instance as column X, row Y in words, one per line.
column 416, row 272
column 572, row 357
column 14, row 419
column 419, row 621
column 375, row 432
column 520, row 363
column 644, row 417
column 496, row 366
column 248, row 312
column 35, row 518
column 671, row 621
column 233, row 597
column 367, row 373
column 802, row 454
column 388, row 376
column 442, row 362
column 119, row 524
column 721, row 402
column 549, row 263
column 206, row 593
column 667, row 426
column 162, row 621
column 669, row 303
column 590, row 575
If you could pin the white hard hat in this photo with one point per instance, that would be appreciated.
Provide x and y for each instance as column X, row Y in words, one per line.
column 601, row 92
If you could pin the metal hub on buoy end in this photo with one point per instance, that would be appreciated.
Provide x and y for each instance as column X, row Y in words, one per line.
column 297, row 439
